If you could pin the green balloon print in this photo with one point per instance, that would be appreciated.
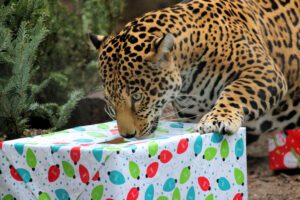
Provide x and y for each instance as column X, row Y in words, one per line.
column 44, row 196
column 210, row 153
column 103, row 126
column 224, row 149
column 176, row 194
column 68, row 169
column 239, row 176
column 152, row 148
column 161, row 130
column 114, row 148
column 31, row 159
column 134, row 170
column 97, row 192
column 48, row 134
column 106, row 158
column 184, row 175
column 190, row 130
column 162, row 198
column 8, row 197
column 96, row 134
column 210, row 197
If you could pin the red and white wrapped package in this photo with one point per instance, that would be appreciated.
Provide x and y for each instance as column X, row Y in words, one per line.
column 284, row 150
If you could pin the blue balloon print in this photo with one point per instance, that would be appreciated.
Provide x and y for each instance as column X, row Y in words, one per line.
column 19, row 148
column 97, row 153
column 79, row 128
column 177, row 125
column 198, row 145
column 149, row 194
column 239, row 148
column 217, row 137
column 191, row 194
column 83, row 140
column 54, row 148
column 24, row 174
column 62, row 194
column 169, row 185
column 161, row 137
column 133, row 148
column 223, row 184
column 116, row 177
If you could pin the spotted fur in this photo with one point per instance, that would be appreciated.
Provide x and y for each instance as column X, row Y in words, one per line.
column 222, row 63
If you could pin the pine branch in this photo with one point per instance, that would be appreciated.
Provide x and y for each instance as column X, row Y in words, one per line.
column 67, row 108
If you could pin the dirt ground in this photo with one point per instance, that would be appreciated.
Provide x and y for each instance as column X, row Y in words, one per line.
column 263, row 184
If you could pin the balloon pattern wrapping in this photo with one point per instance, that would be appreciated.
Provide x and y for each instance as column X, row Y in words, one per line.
column 80, row 163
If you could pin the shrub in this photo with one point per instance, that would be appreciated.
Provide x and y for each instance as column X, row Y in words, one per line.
column 44, row 56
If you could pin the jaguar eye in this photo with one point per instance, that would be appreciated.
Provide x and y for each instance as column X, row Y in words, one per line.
column 137, row 96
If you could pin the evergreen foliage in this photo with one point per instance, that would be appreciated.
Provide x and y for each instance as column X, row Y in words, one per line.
column 44, row 55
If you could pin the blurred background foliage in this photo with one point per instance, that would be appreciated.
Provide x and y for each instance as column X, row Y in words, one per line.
column 45, row 57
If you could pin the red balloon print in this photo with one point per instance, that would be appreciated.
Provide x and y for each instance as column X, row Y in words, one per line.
column 53, row 173
column 1, row 145
column 96, row 177
column 84, row 174
column 238, row 196
column 152, row 169
column 133, row 194
column 86, row 145
column 114, row 131
column 60, row 143
column 15, row 174
column 165, row 156
column 204, row 183
column 182, row 145
column 75, row 154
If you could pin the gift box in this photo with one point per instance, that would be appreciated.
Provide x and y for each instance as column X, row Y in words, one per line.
column 93, row 162
column 284, row 150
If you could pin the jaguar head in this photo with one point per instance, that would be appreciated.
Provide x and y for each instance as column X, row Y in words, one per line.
column 139, row 76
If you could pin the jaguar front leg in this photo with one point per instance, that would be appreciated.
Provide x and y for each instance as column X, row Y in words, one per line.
column 258, row 88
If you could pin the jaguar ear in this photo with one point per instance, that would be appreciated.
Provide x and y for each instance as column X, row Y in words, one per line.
column 97, row 40
column 163, row 46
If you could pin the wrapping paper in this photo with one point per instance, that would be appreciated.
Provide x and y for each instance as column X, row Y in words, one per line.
column 284, row 150
column 82, row 163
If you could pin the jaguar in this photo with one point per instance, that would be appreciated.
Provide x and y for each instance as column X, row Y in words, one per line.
column 222, row 64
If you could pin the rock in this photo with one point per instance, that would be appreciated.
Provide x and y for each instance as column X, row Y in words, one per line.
column 90, row 110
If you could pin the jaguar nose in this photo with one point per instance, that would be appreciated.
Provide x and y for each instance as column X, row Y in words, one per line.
column 128, row 136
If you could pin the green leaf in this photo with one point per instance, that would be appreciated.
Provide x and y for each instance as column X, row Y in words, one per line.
column 67, row 108
column 210, row 153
